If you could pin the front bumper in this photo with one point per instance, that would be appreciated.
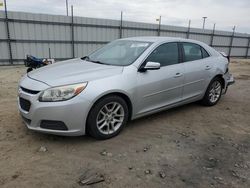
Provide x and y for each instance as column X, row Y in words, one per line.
column 72, row 113
column 230, row 80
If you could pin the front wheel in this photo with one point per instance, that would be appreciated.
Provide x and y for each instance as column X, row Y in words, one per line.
column 107, row 117
column 213, row 93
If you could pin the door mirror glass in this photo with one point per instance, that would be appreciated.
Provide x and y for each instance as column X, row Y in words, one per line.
column 152, row 66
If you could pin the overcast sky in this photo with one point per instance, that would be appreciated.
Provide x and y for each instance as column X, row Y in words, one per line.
column 225, row 13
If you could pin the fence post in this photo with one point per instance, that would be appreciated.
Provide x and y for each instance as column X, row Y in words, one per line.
column 231, row 42
column 212, row 36
column 8, row 32
column 49, row 54
column 120, row 28
column 72, row 32
column 189, row 24
column 159, row 27
column 248, row 46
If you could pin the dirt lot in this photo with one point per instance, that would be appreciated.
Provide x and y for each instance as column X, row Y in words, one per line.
column 189, row 146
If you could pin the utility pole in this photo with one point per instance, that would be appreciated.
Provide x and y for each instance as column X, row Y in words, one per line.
column 67, row 8
column 204, row 21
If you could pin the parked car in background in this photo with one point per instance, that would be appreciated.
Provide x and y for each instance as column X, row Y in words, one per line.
column 124, row 80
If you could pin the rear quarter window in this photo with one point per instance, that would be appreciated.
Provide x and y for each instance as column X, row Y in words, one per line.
column 192, row 52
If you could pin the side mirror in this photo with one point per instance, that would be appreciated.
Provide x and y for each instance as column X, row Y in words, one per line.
column 150, row 66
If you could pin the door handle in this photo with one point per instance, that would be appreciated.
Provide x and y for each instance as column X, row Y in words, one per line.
column 177, row 75
column 208, row 67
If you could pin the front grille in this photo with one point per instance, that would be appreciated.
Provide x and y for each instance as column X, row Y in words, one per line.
column 25, row 104
column 29, row 91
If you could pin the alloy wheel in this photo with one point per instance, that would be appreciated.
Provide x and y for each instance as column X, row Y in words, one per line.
column 110, row 118
column 215, row 91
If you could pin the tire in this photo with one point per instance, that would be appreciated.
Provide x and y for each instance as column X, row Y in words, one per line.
column 213, row 95
column 103, row 124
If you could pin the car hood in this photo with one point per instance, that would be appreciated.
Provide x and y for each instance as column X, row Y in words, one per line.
column 73, row 71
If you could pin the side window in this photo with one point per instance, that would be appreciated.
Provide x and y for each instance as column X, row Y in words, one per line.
column 192, row 52
column 165, row 54
column 204, row 53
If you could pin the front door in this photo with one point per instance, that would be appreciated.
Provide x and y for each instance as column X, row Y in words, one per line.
column 162, row 87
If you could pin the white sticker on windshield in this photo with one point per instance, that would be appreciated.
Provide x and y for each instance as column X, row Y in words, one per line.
column 138, row 45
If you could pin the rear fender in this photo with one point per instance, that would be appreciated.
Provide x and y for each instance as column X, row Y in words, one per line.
column 225, row 55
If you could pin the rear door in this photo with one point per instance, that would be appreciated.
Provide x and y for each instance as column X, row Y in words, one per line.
column 196, row 70
column 162, row 87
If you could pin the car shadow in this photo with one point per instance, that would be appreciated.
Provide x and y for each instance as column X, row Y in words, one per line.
column 133, row 124
column 162, row 114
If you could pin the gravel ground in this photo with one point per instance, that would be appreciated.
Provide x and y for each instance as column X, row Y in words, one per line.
column 189, row 146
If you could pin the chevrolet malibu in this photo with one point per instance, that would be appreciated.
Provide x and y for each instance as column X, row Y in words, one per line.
column 124, row 80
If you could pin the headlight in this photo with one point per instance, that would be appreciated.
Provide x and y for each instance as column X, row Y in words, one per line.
column 62, row 93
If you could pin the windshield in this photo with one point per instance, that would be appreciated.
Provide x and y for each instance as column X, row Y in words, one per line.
column 119, row 52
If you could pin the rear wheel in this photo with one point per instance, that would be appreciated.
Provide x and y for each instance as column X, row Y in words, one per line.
column 213, row 93
column 107, row 117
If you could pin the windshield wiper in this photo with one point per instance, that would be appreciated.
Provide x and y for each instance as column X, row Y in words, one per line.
column 99, row 62
column 86, row 58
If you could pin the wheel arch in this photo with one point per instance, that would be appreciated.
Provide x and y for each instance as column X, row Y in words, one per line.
column 220, row 76
column 124, row 96
column 204, row 100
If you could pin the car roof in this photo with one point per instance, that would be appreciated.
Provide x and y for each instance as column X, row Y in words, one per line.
column 155, row 39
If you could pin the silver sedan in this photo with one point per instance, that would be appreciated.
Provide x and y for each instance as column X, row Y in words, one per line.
column 124, row 80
